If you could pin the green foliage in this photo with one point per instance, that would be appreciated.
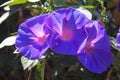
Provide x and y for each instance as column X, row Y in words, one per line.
column 116, row 62
column 38, row 71
column 103, row 12
column 43, row 68
column 89, row 7
column 15, row 2
column 113, row 43
column 26, row 63
column 61, row 62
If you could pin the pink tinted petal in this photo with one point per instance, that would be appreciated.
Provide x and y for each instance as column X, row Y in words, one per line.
column 36, row 25
column 66, row 18
column 32, row 40
column 25, row 36
column 31, row 22
column 65, row 31
column 69, row 47
column 99, row 59
column 96, row 55
column 54, row 24
column 37, row 30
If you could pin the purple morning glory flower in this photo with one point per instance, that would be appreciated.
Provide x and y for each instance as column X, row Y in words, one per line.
column 94, row 53
column 68, row 30
column 32, row 40
column 118, row 39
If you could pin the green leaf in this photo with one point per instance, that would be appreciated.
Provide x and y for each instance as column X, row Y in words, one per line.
column 14, row 33
column 43, row 68
column 116, row 62
column 14, row 2
column 113, row 42
column 74, row 66
column 38, row 71
column 61, row 62
column 4, row 17
column 9, row 41
column 59, row 3
column 89, row 7
column 26, row 63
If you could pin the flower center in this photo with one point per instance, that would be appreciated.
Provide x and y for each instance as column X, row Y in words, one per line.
column 89, row 48
column 42, row 40
column 66, row 34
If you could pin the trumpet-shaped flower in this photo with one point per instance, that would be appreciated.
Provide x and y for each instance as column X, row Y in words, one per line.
column 68, row 30
column 32, row 40
column 94, row 53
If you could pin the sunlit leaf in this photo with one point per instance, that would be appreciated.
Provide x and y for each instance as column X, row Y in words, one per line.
column 13, row 2
column 113, row 43
column 74, row 66
column 71, row 1
column 16, row 51
column 17, row 2
column 27, row 63
column 9, row 41
column 14, row 33
column 33, row 0
column 89, row 7
column 4, row 17
column 35, row 62
column 7, row 8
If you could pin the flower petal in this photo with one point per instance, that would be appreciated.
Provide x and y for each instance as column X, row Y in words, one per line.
column 32, row 40
column 33, row 51
column 25, row 36
column 96, row 55
column 91, row 31
column 118, row 40
column 65, row 32
column 99, row 59
column 69, row 47
column 85, row 12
